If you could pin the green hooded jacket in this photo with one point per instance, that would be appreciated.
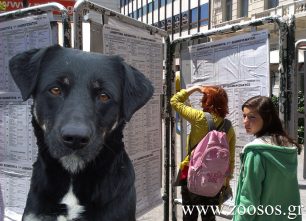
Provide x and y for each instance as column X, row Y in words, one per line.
column 268, row 187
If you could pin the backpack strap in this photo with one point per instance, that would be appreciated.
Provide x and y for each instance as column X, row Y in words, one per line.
column 210, row 121
column 211, row 126
column 224, row 126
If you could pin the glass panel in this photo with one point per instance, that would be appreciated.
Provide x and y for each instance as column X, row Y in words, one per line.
column 150, row 7
column 194, row 17
column 155, row 4
column 244, row 8
column 144, row 10
column 139, row 12
column 228, row 10
column 204, row 15
column 272, row 3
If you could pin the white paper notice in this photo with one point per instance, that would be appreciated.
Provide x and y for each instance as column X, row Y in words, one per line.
column 142, row 51
column 17, row 36
column 18, row 148
column 142, row 135
column 239, row 64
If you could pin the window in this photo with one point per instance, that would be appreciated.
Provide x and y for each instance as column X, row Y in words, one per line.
column 194, row 17
column 204, row 15
column 244, row 7
column 144, row 10
column 162, row 24
column 162, row 2
column 139, row 12
column 176, row 20
column 156, row 4
column 185, row 20
column 272, row 3
column 169, row 23
column 150, row 6
column 228, row 10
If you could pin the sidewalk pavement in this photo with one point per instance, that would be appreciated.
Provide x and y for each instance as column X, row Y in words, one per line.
column 156, row 214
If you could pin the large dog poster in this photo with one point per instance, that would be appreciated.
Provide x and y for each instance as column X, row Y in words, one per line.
column 18, row 148
column 142, row 135
column 240, row 64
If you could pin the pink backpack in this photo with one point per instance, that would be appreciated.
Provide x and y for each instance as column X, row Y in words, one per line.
column 209, row 163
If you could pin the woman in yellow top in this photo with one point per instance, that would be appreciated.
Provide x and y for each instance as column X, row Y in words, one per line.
column 214, row 101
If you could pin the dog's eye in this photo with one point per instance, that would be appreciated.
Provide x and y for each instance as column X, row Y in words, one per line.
column 103, row 97
column 56, row 91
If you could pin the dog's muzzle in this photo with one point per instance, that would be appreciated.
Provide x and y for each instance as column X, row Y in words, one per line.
column 75, row 136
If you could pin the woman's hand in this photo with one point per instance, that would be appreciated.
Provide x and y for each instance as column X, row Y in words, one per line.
column 195, row 88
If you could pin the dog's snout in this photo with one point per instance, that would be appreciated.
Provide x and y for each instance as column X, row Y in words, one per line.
column 75, row 137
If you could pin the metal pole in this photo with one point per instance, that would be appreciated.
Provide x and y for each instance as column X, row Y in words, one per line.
column 283, row 70
column 298, row 44
column 173, row 138
column 168, row 116
column 78, row 8
column 292, row 80
column 304, row 171
column 66, row 30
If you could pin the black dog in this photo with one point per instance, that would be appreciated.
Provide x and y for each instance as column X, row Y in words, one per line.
column 81, row 104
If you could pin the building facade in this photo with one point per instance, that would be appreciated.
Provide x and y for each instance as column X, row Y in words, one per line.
column 110, row 4
column 185, row 17
column 234, row 11
column 177, row 17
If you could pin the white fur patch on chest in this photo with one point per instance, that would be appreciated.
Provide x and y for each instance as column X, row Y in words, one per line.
column 73, row 207
column 31, row 217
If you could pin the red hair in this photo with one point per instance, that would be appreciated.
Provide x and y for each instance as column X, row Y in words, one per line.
column 215, row 100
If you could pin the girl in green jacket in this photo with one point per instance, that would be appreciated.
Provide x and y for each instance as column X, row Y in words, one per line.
column 267, row 187
column 214, row 101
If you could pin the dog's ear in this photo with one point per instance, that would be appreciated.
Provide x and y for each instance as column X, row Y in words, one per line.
column 24, row 68
column 137, row 91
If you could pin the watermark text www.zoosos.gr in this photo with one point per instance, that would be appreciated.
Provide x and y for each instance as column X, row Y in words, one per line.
column 291, row 212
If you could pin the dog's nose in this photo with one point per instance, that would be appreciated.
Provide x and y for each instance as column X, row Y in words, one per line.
column 75, row 137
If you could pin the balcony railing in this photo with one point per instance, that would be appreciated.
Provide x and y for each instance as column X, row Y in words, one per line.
column 294, row 8
column 297, row 8
column 231, row 22
column 300, row 7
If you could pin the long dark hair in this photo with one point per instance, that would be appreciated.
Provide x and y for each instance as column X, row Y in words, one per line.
column 272, row 125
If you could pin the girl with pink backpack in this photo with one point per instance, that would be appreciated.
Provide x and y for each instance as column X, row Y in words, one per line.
column 214, row 101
